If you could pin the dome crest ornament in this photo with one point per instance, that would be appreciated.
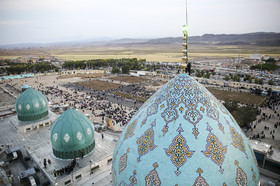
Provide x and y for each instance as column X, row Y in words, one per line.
column 27, row 106
column 88, row 131
column 19, row 106
column 37, row 105
column 55, row 137
column 79, row 136
column 66, row 137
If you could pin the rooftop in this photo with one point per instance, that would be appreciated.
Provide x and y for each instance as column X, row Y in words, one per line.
column 38, row 144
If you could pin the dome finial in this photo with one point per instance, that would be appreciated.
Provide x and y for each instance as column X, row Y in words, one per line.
column 186, row 66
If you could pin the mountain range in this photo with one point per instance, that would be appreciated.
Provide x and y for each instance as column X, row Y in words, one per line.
column 257, row 38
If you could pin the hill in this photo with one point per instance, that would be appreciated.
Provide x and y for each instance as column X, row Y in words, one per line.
column 258, row 38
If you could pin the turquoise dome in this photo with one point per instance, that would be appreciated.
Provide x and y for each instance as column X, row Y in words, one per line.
column 72, row 134
column 31, row 105
column 181, row 136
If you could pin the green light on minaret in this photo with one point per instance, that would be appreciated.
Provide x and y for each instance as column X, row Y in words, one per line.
column 185, row 29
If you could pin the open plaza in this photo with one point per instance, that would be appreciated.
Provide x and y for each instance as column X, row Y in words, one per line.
column 103, row 99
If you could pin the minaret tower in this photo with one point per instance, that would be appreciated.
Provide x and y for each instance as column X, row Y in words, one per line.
column 185, row 58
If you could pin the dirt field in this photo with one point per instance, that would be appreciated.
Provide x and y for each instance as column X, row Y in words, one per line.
column 99, row 85
column 83, row 76
column 164, row 53
column 241, row 97
column 126, row 95
column 129, row 79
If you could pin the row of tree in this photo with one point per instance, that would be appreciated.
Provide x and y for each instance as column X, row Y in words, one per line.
column 204, row 74
column 236, row 77
column 266, row 66
column 124, row 63
column 118, row 65
column 18, row 68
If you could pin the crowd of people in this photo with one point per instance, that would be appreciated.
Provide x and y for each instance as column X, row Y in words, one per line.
column 65, row 170
column 270, row 117
column 88, row 102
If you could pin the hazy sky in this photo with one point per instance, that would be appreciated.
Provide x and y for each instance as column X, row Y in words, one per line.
column 35, row 21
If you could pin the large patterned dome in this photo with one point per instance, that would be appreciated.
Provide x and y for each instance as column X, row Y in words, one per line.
column 72, row 135
column 31, row 105
column 183, row 136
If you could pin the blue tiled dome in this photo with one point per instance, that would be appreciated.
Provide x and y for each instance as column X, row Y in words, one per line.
column 183, row 136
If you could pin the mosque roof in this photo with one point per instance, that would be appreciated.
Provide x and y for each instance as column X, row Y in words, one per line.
column 25, row 86
column 71, row 134
column 31, row 105
column 183, row 135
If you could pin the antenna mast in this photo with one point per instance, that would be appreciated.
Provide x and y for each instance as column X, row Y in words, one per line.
column 186, row 65
column 187, row 12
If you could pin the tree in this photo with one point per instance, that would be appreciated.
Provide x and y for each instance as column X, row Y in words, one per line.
column 247, row 77
column 250, row 80
column 148, row 68
column 270, row 60
column 115, row 70
column 198, row 73
column 270, row 82
column 261, row 82
column 202, row 72
column 243, row 115
column 269, row 92
column 256, row 80
column 267, row 66
column 226, row 77
column 236, row 78
column 207, row 75
column 125, row 69
column 231, row 105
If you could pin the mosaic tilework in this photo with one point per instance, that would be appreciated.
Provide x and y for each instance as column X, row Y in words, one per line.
column 241, row 177
column 152, row 179
column 254, row 176
column 179, row 151
column 132, row 180
column 146, row 142
column 200, row 181
column 183, row 127
column 130, row 130
column 215, row 149
column 123, row 161
column 237, row 140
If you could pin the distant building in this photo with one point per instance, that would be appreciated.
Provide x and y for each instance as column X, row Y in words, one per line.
column 142, row 73
column 256, row 57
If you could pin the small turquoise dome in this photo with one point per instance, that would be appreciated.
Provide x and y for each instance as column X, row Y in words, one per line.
column 31, row 105
column 181, row 136
column 72, row 135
